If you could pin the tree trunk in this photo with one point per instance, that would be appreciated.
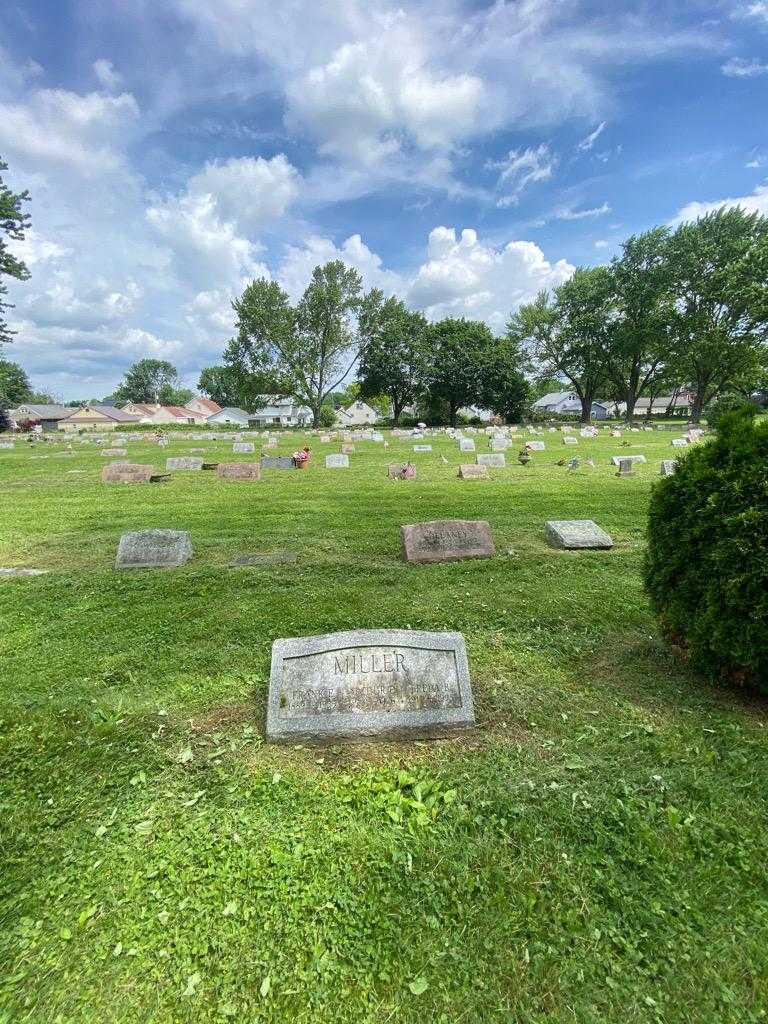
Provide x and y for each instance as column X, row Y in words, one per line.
column 586, row 409
column 397, row 409
column 697, row 407
column 316, row 414
column 629, row 413
column 452, row 416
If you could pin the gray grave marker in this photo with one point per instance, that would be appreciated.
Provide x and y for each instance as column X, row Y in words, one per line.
column 496, row 459
column 470, row 472
column 239, row 471
column 576, row 533
column 154, row 549
column 466, row 444
column 447, row 540
column 126, row 473
column 369, row 683
column 277, row 462
column 422, row 447
column 337, row 461
column 188, row 462
column 536, row 446
column 242, row 447
column 668, row 467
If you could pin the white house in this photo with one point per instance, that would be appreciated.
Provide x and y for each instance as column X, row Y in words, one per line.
column 230, row 416
column 568, row 403
column 150, row 413
column 204, row 406
column 280, row 411
column 359, row 414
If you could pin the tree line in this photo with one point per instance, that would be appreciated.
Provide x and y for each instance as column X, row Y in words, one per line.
column 678, row 309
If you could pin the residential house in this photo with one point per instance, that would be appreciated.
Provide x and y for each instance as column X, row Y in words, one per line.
column 163, row 414
column 280, row 411
column 96, row 417
column 679, row 404
column 48, row 416
column 568, row 403
column 230, row 416
column 204, row 406
column 359, row 414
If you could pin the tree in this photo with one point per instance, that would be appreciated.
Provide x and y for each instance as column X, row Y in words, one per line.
column 719, row 266
column 309, row 349
column 567, row 332
column 13, row 223
column 459, row 349
column 503, row 387
column 395, row 359
column 233, row 385
column 152, row 381
column 640, row 342
column 14, row 385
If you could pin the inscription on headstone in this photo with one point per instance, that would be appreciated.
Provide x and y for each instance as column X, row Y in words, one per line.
column 466, row 444
column 536, row 446
column 447, row 540
column 246, row 471
column 625, row 467
column 470, row 472
column 576, row 533
column 570, row 439
column 277, row 462
column 154, row 549
column 242, row 447
column 422, row 447
column 668, row 467
column 337, row 461
column 679, row 442
column 368, row 683
column 126, row 473
column 496, row 459
column 184, row 462
column 618, row 459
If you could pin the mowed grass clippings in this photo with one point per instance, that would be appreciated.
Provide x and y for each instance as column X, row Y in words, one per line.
column 594, row 851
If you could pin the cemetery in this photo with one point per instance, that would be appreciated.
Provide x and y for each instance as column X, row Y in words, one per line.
column 219, row 698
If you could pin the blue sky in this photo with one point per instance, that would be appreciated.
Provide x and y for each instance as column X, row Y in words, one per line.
column 463, row 155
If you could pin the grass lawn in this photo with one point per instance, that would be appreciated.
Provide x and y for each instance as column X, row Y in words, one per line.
column 597, row 848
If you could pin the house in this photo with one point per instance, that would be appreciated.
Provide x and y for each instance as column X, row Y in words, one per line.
column 568, row 403
column 48, row 416
column 359, row 414
column 96, row 417
column 160, row 414
column 204, row 406
column 230, row 415
column 680, row 403
column 280, row 411
column 474, row 412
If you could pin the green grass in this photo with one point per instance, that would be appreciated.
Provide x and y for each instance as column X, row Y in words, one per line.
column 598, row 847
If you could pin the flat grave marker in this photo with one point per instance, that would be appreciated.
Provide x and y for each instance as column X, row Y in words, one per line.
column 126, row 473
column 369, row 683
column 184, row 462
column 536, row 446
column 617, row 459
column 242, row 447
column 576, row 534
column 422, row 447
column 154, row 549
column 337, row 461
column 466, row 444
column 469, row 471
column 401, row 471
column 495, row 459
column 277, row 462
column 246, row 472
column 447, row 540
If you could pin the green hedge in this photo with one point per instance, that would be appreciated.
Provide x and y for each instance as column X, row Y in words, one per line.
column 706, row 568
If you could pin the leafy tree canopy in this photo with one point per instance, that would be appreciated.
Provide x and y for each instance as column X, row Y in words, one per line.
column 13, row 223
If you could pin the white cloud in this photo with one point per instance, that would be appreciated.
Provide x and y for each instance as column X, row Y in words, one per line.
column 602, row 244
column 758, row 10
column 757, row 202
column 464, row 277
column 520, row 168
column 57, row 127
column 591, row 139
column 248, row 191
column 744, row 67
column 295, row 269
column 568, row 213
column 106, row 74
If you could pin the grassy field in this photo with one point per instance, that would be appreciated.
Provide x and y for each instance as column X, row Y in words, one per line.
column 595, row 851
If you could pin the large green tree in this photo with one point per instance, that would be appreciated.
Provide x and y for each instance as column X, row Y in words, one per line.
column 14, row 385
column 13, row 223
column 719, row 267
column 459, row 349
column 640, row 341
column 152, row 381
column 503, row 387
column 308, row 349
column 395, row 355
column 567, row 332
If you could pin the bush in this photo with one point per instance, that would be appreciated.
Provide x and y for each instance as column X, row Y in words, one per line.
column 706, row 568
column 715, row 412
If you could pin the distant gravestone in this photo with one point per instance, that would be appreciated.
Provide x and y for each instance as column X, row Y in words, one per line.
column 6, row 445
column 616, row 459
column 668, row 467
column 576, row 533
column 154, row 549
column 23, row 572
column 422, row 447
column 376, row 436
column 466, row 444
column 625, row 467
column 499, row 444
column 447, row 540
column 369, row 683
column 679, row 442
column 337, row 461
column 274, row 558
column 277, row 462
column 347, row 449
column 401, row 471
column 189, row 462
column 471, row 472
column 242, row 447
column 325, row 439
column 494, row 459
column 114, row 451
column 239, row 471
column 570, row 439
column 536, row 446
column 126, row 473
